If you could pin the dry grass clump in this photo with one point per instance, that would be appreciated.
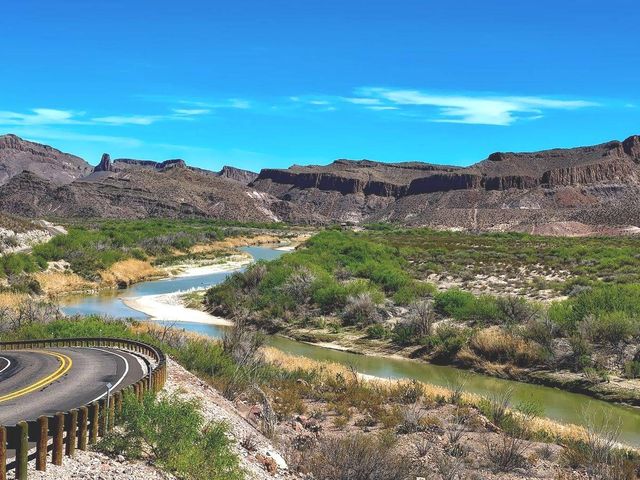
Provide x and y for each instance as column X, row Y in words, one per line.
column 128, row 271
column 56, row 283
column 12, row 300
column 358, row 457
column 495, row 344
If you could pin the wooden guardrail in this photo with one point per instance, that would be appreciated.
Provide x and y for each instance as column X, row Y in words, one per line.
column 80, row 426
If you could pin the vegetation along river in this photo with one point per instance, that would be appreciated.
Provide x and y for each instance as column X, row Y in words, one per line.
column 565, row 407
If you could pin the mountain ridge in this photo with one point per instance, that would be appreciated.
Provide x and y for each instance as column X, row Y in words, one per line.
column 595, row 185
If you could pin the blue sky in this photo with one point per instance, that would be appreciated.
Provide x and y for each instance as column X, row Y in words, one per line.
column 271, row 83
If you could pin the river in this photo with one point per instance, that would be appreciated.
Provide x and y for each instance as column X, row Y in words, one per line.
column 565, row 407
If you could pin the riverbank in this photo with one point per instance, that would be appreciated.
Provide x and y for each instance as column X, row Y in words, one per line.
column 614, row 389
column 58, row 280
column 175, row 307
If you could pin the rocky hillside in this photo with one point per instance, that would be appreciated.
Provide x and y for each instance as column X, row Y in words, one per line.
column 562, row 191
column 548, row 191
column 127, row 188
column 17, row 155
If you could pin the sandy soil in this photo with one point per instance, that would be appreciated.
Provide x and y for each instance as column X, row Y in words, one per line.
column 202, row 268
column 170, row 307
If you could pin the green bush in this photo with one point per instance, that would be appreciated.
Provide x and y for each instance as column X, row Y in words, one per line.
column 377, row 331
column 597, row 302
column 632, row 369
column 464, row 306
column 453, row 302
column 447, row 341
column 612, row 327
column 177, row 437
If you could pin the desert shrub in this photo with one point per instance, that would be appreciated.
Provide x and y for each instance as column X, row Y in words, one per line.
column 598, row 452
column 175, row 434
column 581, row 350
column 632, row 369
column 29, row 314
column 599, row 301
column 361, row 309
column 611, row 327
column 413, row 291
column 17, row 263
column 299, row 284
column 541, row 330
column 465, row 306
column 358, row 457
column 377, row 331
column 453, row 302
column 447, row 340
column 516, row 310
column 421, row 318
column 402, row 334
column 506, row 453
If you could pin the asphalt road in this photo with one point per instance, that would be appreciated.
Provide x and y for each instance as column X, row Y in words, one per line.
column 46, row 381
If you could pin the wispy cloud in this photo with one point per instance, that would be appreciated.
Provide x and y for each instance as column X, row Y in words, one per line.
column 362, row 101
column 129, row 119
column 469, row 108
column 191, row 112
column 39, row 116
column 43, row 134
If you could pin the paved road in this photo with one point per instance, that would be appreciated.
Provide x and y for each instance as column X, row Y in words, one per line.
column 46, row 381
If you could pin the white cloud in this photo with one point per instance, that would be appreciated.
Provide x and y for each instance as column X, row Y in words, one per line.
column 472, row 109
column 43, row 134
column 191, row 111
column 129, row 119
column 39, row 116
column 381, row 107
column 362, row 101
column 237, row 103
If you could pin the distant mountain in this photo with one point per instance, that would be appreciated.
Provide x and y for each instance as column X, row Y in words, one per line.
column 562, row 191
column 551, row 190
column 127, row 188
column 17, row 155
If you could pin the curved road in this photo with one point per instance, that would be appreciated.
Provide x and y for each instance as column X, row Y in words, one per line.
column 46, row 381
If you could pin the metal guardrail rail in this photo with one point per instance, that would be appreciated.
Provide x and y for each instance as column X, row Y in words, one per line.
column 79, row 427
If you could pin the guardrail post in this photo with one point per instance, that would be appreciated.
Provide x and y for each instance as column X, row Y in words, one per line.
column 41, row 443
column 111, row 420
column 22, row 451
column 72, row 429
column 58, row 438
column 102, row 422
column 95, row 413
column 83, row 420
column 3, row 453
column 118, row 402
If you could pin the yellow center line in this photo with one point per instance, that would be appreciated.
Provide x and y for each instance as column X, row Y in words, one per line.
column 65, row 365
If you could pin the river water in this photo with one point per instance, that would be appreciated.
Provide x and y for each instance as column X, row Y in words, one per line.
column 558, row 405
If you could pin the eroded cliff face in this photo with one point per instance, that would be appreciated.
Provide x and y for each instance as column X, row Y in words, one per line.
column 329, row 181
column 609, row 162
column 624, row 171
